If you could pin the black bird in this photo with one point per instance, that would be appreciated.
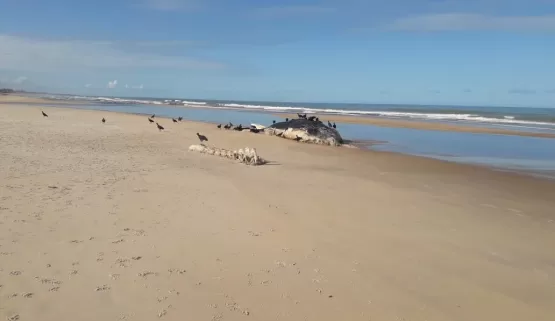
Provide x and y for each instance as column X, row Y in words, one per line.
column 103, row 120
column 160, row 128
column 220, row 126
column 150, row 120
column 226, row 126
column 44, row 114
column 317, row 119
column 302, row 116
column 153, row 115
column 286, row 119
column 202, row 138
column 329, row 124
column 180, row 118
column 334, row 125
column 298, row 138
column 239, row 127
column 174, row 120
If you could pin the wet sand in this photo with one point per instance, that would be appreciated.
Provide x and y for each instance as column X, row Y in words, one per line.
column 400, row 123
column 118, row 221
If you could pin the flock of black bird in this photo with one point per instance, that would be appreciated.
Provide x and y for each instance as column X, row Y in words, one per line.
column 239, row 127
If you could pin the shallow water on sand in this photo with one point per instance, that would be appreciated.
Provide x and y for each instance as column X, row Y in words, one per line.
column 530, row 154
column 500, row 151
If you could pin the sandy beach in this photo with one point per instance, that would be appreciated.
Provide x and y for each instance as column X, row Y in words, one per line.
column 118, row 221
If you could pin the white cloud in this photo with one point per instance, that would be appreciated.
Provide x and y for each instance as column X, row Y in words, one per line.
column 469, row 21
column 18, row 53
column 112, row 84
column 20, row 80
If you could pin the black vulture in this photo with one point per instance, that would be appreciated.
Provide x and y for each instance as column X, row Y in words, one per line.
column 174, row 120
column 150, row 120
column 334, row 125
column 160, row 128
column 202, row 138
column 103, row 120
column 220, row 126
column 44, row 114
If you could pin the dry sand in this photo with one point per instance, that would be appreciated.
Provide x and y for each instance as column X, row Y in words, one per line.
column 414, row 124
column 120, row 222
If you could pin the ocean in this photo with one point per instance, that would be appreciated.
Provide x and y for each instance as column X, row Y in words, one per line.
column 525, row 154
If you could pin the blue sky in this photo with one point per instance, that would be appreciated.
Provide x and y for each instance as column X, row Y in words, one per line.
column 476, row 52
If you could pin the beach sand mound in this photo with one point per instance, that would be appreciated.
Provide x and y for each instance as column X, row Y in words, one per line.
column 314, row 132
column 246, row 156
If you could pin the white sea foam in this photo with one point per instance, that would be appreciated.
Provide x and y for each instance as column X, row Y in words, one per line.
column 185, row 102
column 507, row 119
column 390, row 114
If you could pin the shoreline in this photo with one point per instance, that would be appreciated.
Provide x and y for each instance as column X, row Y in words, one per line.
column 360, row 120
column 363, row 145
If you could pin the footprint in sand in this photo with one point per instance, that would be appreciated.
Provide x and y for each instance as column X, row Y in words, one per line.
column 28, row 295
column 14, row 317
column 15, row 273
column 102, row 288
column 145, row 274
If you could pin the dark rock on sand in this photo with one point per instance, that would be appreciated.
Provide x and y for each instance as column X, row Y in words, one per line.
column 309, row 131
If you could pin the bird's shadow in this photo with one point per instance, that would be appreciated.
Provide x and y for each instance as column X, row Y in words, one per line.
column 272, row 163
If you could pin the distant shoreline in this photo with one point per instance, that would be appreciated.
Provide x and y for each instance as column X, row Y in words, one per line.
column 362, row 119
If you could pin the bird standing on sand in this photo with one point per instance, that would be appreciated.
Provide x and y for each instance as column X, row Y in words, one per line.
column 174, row 120
column 160, row 128
column 150, row 120
column 219, row 126
column 226, row 126
column 202, row 138
column 153, row 115
column 103, row 120
column 286, row 119
column 44, row 114
column 334, row 125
